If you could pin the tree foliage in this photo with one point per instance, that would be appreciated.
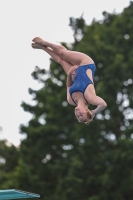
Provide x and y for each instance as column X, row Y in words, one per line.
column 9, row 155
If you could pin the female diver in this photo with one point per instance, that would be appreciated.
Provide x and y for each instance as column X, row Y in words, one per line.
column 80, row 69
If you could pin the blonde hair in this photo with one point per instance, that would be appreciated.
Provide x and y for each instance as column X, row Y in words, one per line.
column 89, row 120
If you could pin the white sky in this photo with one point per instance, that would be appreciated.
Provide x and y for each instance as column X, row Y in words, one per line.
column 20, row 22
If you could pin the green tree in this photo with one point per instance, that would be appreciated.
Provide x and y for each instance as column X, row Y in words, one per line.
column 62, row 159
column 8, row 164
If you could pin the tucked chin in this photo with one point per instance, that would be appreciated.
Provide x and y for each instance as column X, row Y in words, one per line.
column 82, row 120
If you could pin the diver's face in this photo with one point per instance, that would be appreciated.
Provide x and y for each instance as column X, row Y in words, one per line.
column 81, row 114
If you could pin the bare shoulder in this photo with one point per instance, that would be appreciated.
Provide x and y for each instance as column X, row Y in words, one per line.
column 90, row 90
column 70, row 101
column 90, row 93
column 92, row 98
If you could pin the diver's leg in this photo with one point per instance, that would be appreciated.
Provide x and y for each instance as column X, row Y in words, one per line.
column 55, row 47
column 66, row 66
column 73, row 57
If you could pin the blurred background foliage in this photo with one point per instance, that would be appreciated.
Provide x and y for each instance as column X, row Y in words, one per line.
column 61, row 158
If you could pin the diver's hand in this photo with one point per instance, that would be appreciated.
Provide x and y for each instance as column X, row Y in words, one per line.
column 72, row 70
column 93, row 114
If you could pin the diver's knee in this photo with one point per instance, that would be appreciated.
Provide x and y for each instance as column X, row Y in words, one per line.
column 63, row 52
column 60, row 60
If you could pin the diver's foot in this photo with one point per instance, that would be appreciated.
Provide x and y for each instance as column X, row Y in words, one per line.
column 37, row 46
column 39, row 41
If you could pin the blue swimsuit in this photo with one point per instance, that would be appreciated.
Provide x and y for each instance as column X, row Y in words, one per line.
column 81, row 80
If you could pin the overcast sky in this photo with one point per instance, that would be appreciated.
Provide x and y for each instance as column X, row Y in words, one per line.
column 20, row 22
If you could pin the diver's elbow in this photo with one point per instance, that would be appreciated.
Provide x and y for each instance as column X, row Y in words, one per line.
column 104, row 104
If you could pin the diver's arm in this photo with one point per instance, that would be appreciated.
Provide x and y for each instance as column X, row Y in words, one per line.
column 69, row 81
column 101, row 105
column 70, row 75
column 99, row 108
column 69, row 99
